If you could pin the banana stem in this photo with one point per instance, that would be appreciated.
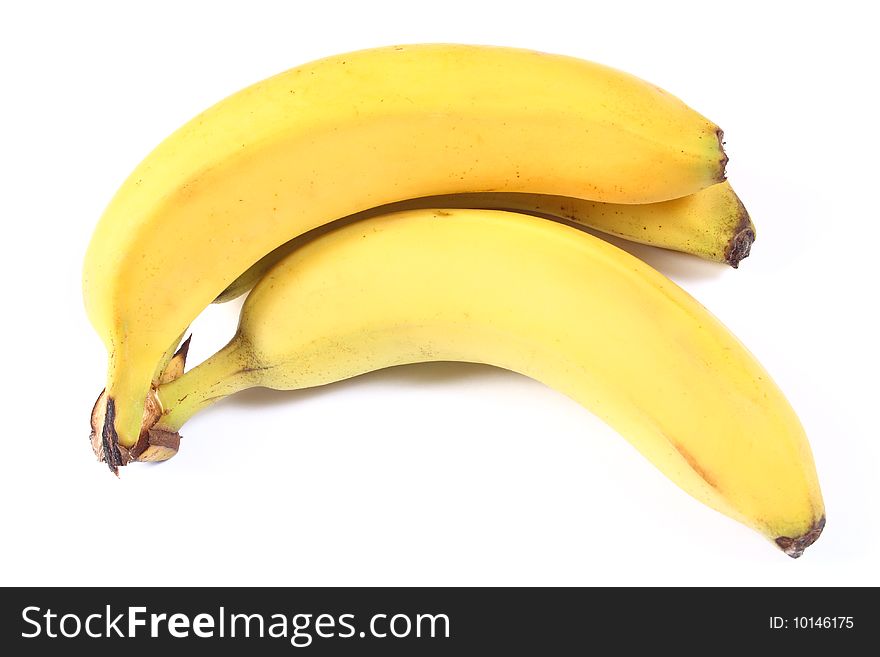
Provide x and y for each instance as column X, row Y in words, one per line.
column 226, row 372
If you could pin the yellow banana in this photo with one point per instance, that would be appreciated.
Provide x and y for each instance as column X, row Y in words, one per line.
column 712, row 224
column 548, row 301
column 352, row 132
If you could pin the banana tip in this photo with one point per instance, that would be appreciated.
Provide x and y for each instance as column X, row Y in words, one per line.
column 740, row 245
column 794, row 547
column 154, row 444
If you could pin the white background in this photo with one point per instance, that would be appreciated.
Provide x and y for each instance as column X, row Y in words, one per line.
column 440, row 474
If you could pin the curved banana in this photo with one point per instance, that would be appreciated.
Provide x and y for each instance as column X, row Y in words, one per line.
column 712, row 224
column 352, row 132
column 548, row 301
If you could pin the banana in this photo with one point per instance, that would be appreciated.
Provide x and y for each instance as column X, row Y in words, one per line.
column 545, row 300
column 355, row 131
column 712, row 224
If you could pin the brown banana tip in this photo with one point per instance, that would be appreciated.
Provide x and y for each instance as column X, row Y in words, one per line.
column 739, row 247
column 794, row 547
column 722, row 169
column 740, row 244
column 153, row 444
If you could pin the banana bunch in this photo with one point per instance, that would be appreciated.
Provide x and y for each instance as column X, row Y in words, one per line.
column 422, row 203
